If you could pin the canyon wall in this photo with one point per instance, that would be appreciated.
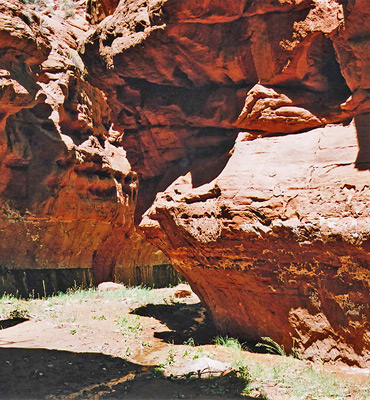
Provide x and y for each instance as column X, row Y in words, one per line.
column 245, row 124
column 250, row 118
column 67, row 190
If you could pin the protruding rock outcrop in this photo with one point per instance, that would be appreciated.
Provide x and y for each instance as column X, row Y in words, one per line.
column 277, row 243
column 177, row 77
column 271, row 231
column 68, row 192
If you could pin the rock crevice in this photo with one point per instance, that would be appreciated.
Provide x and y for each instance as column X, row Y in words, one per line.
column 245, row 124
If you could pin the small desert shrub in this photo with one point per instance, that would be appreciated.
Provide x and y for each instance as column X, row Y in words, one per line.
column 19, row 313
column 200, row 352
column 271, row 346
column 228, row 342
column 242, row 369
column 100, row 317
column 189, row 342
column 129, row 325
column 14, row 307
column 170, row 357
column 8, row 299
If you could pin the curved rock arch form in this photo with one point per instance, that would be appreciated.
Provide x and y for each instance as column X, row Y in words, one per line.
column 236, row 119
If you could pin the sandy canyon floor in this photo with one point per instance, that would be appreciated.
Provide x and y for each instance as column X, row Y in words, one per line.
column 146, row 344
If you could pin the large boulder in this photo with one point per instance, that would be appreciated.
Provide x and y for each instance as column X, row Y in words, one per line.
column 278, row 244
column 271, row 233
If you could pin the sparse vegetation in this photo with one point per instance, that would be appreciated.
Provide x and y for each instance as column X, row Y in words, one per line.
column 189, row 342
column 18, row 313
column 81, row 312
column 138, row 295
column 271, row 346
column 100, row 317
column 128, row 352
column 201, row 352
column 170, row 356
column 129, row 325
column 228, row 342
column 299, row 381
column 157, row 372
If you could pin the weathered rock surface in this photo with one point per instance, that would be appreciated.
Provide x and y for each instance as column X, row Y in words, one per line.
column 68, row 193
column 277, row 243
column 273, row 233
column 177, row 76
column 107, row 286
column 205, row 366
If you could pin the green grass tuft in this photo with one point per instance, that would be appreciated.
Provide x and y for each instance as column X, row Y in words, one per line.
column 129, row 325
column 271, row 346
column 228, row 342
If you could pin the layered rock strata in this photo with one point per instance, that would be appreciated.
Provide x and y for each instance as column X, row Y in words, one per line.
column 271, row 230
column 277, row 243
column 68, row 193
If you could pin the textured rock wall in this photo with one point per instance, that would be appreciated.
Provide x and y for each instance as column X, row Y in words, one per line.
column 273, row 233
column 177, row 77
column 67, row 191
column 278, row 244
column 246, row 124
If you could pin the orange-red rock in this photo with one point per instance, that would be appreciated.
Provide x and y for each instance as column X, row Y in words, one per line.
column 277, row 243
column 274, row 235
column 97, row 10
column 67, row 190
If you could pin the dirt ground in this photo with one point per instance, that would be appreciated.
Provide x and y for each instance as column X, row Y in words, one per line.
column 140, row 344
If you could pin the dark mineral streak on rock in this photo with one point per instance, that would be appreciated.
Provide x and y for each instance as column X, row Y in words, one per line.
column 245, row 124
column 275, row 241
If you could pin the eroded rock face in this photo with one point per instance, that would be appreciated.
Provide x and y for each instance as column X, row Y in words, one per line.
column 277, row 243
column 97, row 10
column 68, row 192
column 271, row 231
column 177, row 77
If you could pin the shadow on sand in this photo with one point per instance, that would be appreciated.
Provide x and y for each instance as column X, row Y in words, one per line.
column 189, row 321
column 53, row 374
column 8, row 323
column 186, row 321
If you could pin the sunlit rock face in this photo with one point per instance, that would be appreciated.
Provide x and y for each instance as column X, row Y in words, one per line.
column 271, row 230
column 246, row 124
column 183, row 77
column 67, row 190
column 278, row 243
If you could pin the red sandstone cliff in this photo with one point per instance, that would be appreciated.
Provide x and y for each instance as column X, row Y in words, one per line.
column 276, row 243
column 68, row 193
column 271, row 230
